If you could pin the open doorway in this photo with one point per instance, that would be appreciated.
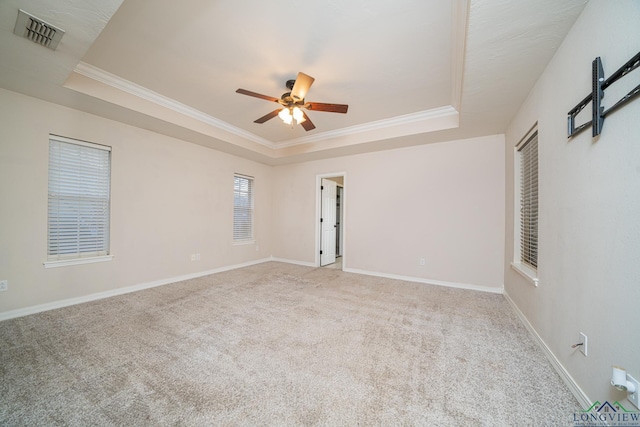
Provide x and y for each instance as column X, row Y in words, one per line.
column 330, row 221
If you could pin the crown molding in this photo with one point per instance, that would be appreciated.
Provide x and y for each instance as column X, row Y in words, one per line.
column 131, row 88
column 408, row 124
column 399, row 122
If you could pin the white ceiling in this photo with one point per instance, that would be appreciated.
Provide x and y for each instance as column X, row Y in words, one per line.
column 412, row 71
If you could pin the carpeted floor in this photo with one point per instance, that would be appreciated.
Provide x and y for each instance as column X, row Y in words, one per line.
column 279, row 344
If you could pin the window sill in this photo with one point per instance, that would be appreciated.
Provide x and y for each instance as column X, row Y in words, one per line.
column 77, row 261
column 243, row 242
column 526, row 272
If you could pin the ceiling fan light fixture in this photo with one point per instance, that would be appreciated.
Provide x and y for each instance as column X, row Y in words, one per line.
column 298, row 115
column 286, row 116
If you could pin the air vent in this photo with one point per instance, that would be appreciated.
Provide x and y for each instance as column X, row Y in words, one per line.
column 36, row 30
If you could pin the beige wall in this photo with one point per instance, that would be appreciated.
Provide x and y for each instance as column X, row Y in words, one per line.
column 589, row 232
column 441, row 202
column 169, row 199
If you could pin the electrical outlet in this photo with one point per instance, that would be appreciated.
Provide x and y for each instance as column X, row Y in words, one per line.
column 633, row 397
column 195, row 257
column 4, row 285
column 583, row 347
column 422, row 261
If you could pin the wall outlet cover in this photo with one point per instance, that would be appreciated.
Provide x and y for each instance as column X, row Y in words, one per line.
column 4, row 285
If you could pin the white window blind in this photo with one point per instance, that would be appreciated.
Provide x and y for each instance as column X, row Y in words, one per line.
column 79, row 187
column 242, row 208
column 529, row 202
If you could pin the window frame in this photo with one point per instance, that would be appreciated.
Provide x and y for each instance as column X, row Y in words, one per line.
column 58, row 196
column 243, row 232
column 526, row 230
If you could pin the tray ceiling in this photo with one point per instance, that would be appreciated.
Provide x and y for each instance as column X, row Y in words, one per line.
column 412, row 71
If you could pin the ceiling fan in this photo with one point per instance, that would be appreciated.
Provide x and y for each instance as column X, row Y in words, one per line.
column 293, row 103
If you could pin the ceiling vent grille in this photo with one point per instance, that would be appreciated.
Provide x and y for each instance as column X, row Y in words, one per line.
column 36, row 30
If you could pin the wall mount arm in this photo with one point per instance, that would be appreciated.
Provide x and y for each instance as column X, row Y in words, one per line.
column 599, row 84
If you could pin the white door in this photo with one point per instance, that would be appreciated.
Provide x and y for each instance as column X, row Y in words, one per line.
column 328, row 222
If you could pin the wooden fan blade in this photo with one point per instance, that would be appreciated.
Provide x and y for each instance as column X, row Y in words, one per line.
column 257, row 95
column 269, row 116
column 307, row 124
column 301, row 86
column 330, row 108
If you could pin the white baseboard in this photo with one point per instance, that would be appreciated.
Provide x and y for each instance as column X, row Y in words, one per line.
column 399, row 277
column 580, row 395
column 291, row 261
column 120, row 291
column 427, row 281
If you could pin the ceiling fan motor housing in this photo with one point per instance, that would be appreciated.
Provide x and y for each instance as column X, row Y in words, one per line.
column 287, row 100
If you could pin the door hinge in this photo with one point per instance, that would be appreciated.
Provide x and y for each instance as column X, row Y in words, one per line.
column 321, row 219
column 322, row 187
column 320, row 252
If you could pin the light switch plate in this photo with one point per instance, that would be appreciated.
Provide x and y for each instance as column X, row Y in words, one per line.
column 583, row 347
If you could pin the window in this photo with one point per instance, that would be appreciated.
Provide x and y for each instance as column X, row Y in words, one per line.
column 78, row 209
column 527, row 206
column 242, row 208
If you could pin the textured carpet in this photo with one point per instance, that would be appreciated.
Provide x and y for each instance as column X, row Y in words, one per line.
column 278, row 344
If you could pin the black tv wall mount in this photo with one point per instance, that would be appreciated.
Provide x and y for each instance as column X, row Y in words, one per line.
column 599, row 85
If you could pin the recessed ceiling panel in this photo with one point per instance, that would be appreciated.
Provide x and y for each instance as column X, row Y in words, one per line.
column 385, row 59
column 412, row 72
